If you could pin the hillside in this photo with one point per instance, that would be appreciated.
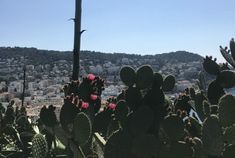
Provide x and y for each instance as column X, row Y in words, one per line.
column 37, row 56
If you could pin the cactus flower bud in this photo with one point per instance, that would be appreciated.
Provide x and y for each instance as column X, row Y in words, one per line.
column 85, row 105
column 112, row 105
column 93, row 97
column 91, row 77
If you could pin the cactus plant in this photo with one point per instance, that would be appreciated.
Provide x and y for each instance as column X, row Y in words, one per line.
column 157, row 80
column 210, row 66
column 177, row 149
column 226, row 79
column 198, row 148
column 212, row 136
column 174, row 127
column 81, row 129
column 227, row 110
column 229, row 135
column 133, row 98
column 118, row 145
column 121, row 110
column 229, row 57
column 215, row 92
column 128, row 75
column 229, row 151
column 140, row 121
column 144, row 77
column 206, row 108
column 145, row 146
column 39, row 146
column 168, row 83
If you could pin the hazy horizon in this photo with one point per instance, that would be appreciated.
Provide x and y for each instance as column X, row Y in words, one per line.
column 133, row 27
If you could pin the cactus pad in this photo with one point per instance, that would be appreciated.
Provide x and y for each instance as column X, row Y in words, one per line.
column 212, row 136
column 229, row 151
column 227, row 110
column 229, row 134
column 144, row 77
column 39, row 146
column 140, row 121
column 145, row 146
column 211, row 66
column 128, row 75
column 215, row 92
column 168, row 83
column 174, row 127
column 226, row 79
column 82, row 128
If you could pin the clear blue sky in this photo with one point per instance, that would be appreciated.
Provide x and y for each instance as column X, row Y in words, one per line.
column 130, row 26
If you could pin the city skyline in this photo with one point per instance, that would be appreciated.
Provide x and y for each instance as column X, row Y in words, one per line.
column 135, row 26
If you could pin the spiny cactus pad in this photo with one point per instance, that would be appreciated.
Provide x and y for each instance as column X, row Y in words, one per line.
column 168, row 83
column 229, row 134
column 118, row 145
column 211, row 66
column 229, row 151
column 198, row 148
column 174, row 127
column 128, row 75
column 39, row 146
column 212, row 136
column 144, row 78
column 140, row 121
column 145, row 146
column 82, row 128
column 227, row 110
column 121, row 110
column 232, row 48
column 215, row 92
column 178, row 149
column 157, row 80
column 133, row 97
column 226, row 79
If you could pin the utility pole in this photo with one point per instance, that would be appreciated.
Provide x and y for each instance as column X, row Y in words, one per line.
column 77, row 39
column 23, row 93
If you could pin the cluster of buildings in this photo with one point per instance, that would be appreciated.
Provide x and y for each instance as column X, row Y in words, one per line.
column 44, row 83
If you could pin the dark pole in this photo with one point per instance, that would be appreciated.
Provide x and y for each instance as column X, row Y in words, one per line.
column 23, row 93
column 77, row 39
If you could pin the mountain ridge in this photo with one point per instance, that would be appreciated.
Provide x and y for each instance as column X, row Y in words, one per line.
column 45, row 56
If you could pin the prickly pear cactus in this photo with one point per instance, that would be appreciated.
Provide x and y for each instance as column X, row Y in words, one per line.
column 145, row 146
column 82, row 128
column 39, row 146
column 212, row 137
column 168, row 83
column 206, row 108
column 198, row 148
column 226, row 79
column 215, row 92
column 118, row 145
column 121, row 110
column 178, row 149
column 140, row 121
column 232, row 48
column 174, row 127
column 157, row 80
column 227, row 110
column 133, row 97
column 229, row 151
column 229, row 135
column 128, row 75
column 144, row 78
column 211, row 66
